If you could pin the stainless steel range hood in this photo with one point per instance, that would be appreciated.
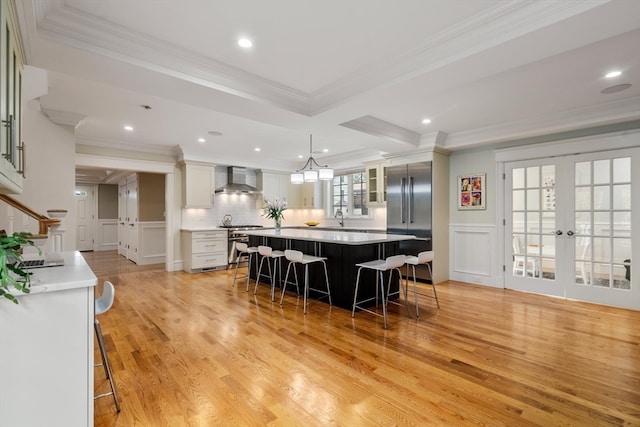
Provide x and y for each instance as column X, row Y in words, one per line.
column 237, row 182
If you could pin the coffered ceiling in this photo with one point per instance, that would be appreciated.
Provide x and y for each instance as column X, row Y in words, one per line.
column 360, row 75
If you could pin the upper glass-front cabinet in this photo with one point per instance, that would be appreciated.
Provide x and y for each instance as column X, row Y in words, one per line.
column 11, row 68
column 377, row 184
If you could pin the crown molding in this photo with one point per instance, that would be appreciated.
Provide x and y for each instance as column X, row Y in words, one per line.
column 617, row 111
column 75, row 28
column 494, row 27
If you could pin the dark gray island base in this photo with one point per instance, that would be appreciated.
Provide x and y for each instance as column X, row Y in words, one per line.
column 343, row 251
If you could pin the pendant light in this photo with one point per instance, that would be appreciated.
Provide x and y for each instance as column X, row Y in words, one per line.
column 311, row 175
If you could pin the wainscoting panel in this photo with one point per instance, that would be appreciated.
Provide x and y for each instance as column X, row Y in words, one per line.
column 107, row 238
column 473, row 254
column 151, row 241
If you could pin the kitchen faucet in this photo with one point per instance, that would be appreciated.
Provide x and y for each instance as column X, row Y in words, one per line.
column 340, row 214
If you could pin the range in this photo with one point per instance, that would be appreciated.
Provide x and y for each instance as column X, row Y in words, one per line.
column 234, row 235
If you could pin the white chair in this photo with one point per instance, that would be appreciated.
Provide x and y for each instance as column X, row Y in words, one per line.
column 391, row 264
column 102, row 305
column 423, row 258
column 268, row 253
column 297, row 257
column 522, row 264
column 245, row 253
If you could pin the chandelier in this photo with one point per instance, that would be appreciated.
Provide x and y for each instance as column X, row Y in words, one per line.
column 311, row 175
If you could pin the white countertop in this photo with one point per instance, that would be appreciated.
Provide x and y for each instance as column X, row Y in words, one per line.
column 75, row 273
column 202, row 229
column 328, row 236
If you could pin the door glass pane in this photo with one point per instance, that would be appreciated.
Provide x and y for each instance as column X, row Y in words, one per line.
column 583, row 221
column 583, row 272
column 601, row 275
column 518, row 178
column 622, row 224
column 601, row 172
column 518, row 222
column 533, row 200
column 518, row 200
column 533, row 222
column 622, row 196
column 583, row 173
column 533, row 177
column 622, row 170
column 601, row 249
column 601, row 197
column 583, row 198
column 602, row 223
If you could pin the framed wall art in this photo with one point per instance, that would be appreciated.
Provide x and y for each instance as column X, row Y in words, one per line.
column 471, row 191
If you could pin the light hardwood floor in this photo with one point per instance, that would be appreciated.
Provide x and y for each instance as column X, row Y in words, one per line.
column 192, row 350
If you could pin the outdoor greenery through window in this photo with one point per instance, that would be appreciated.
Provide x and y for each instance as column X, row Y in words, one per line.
column 349, row 194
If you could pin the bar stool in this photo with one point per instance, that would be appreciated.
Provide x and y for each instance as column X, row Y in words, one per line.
column 392, row 263
column 268, row 253
column 247, row 252
column 423, row 258
column 102, row 305
column 297, row 257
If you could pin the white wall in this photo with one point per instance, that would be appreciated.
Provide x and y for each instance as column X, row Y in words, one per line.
column 49, row 174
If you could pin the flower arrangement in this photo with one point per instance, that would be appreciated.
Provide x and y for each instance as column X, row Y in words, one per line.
column 274, row 209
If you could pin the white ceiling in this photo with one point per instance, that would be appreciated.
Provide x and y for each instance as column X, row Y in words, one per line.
column 360, row 75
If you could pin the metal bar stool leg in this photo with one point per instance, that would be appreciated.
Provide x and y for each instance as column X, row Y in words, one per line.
column 107, row 366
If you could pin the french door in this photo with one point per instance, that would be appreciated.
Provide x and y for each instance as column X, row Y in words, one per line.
column 569, row 223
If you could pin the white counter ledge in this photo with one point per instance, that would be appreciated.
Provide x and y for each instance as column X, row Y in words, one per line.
column 328, row 236
column 75, row 273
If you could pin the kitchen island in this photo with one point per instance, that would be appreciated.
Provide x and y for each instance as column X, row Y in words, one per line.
column 46, row 348
column 343, row 251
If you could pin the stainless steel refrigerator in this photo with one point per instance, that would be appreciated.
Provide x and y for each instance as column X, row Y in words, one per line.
column 409, row 207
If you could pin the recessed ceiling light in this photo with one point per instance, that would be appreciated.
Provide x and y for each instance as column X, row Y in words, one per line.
column 244, row 42
column 129, row 128
column 613, row 74
column 256, row 149
column 426, row 121
column 201, row 140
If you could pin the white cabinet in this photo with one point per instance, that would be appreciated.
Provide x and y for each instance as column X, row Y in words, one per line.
column 46, row 355
column 204, row 250
column 310, row 195
column 198, row 185
column 277, row 186
column 376, row 184
column 11, row 70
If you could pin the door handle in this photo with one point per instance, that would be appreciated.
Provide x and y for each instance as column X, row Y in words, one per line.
column 559, row 233
column 402, row 199
column 410, row 201
column 569, row 233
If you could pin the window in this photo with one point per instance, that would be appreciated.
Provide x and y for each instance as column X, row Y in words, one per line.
column 349, row 194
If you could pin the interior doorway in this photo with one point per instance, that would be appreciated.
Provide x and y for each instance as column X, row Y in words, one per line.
column 85, row 208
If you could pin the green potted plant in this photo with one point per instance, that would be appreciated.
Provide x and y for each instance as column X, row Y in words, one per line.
column 11, row 275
